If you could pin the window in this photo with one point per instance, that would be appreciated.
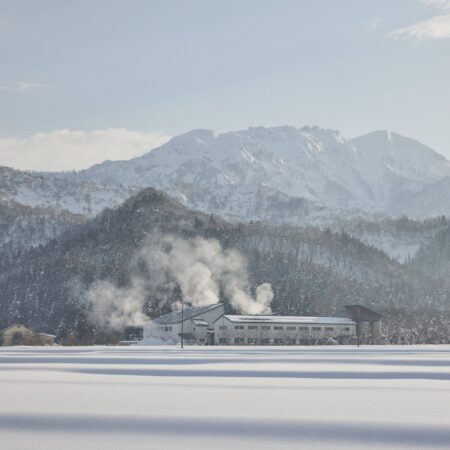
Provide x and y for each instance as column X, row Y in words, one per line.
column 290, row 341
column 168, row 329
column 303, row 328
column 347, row 328
column 265, row 327
column 316, row 328
column 329, row 329
column 223, row 327
column 252, row 327
column 290, row 328
column 238, row 341
column 223, row 341
column 277, row 327
column 252, row 341
column 278, row 341
column 239, row 327
column 265, row 341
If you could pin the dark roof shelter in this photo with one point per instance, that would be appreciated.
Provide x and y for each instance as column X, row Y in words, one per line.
column 360, row 313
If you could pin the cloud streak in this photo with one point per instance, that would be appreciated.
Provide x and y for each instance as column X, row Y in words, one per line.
column 439, row 4
column 436, row 27
column 76, row 149
column 22, row 86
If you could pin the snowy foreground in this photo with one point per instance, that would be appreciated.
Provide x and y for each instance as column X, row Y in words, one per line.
column 224, row 398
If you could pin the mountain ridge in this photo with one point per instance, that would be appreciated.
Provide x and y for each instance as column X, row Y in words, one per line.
column 282, row 175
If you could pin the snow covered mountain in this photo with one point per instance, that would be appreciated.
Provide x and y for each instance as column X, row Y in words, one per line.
column 280, row 174
column 253, row 174
column 60, row 193
column 434, row 200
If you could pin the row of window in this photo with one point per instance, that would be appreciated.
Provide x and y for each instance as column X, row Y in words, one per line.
column 279, row 328
column 264, row 341
column 168, row 328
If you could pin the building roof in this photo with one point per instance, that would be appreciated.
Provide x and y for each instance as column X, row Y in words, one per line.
column 15, row 325
column 362, row 313
column 200, row 322
column 291, row 319
column 48, row 335
column 189, row 312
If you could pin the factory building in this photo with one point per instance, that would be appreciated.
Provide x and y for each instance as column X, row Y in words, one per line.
column 281, row 330
column 195, row 322
column 209, row 325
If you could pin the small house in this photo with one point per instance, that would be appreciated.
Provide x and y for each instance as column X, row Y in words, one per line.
column 17, row 334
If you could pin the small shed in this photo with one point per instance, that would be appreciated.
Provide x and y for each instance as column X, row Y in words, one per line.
column 17, row 334
column 47, row 339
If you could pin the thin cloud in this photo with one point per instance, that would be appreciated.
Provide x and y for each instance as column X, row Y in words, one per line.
column 439, row 4
column 375, row 24
column 76, row 149
column 22, row 86
column 437, row 27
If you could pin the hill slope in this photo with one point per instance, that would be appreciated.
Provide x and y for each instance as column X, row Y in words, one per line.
column 312, row 272
column 22, row 226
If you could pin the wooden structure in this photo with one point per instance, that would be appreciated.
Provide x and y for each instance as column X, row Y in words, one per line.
column 18, row 334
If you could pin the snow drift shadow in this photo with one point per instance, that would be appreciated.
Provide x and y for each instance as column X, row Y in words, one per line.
column 189, row 360
column 176, row 427
column 315, row 374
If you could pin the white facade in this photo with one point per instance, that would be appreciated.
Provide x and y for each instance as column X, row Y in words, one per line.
column 196, row 323
column 281, row 330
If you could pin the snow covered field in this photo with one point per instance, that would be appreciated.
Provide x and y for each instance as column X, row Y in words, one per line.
column 224, row 397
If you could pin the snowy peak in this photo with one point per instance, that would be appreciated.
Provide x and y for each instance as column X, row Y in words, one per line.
column 281, row 174
column 405, row 156
column 371, row 173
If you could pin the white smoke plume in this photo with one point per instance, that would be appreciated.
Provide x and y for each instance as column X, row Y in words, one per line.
column 200, row 267
column 114, row 308
column 169, row 267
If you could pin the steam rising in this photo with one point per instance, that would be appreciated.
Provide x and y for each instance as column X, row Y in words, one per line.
column 113, row 307
column 193, row 270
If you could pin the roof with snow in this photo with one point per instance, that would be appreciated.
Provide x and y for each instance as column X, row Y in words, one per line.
column 199, row 322
column 18, row 325
column 291, row 319
column 189, row 312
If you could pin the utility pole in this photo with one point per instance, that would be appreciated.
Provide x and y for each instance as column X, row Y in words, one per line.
column 182, row 323
column 358, row 327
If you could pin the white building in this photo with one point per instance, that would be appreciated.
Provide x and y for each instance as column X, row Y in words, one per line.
column 281, row 330
column 197, row 324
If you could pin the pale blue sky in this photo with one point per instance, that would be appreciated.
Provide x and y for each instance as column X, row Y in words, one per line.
column 172, row 66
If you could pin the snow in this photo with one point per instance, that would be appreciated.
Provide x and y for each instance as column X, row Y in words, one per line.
column 224, row 397
column 291, row 319
column 229, row 173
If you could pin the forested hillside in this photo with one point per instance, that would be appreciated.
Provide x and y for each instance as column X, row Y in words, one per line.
column 23, row 226
column 433, row 258
column 311, row 271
